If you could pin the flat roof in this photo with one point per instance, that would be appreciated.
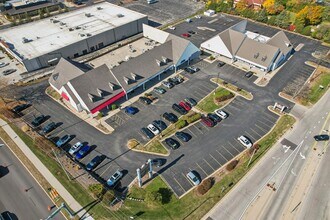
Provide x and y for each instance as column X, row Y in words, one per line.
column 47, row 36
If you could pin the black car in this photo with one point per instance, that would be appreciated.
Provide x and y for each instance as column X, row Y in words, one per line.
column 248, row 74
column 172, row 143
column 38, row 120
column 145, row 100
column 189, row 70
column 220, row 64
column 48, row 128
column 214, row 117
column 159, row 124
column 175, row 80
column 95, row 162
column 170, row 117
column 17, row 109
column 158, row 162
column 321, row 137
column 179, row 109
column 191, row 32
column 147, row 133
column 191, row 101
column 9, row 71
column 183, row 136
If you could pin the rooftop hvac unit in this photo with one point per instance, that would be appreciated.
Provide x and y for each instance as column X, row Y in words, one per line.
column 25, row 40
column 120, row 15
column 71, row 29
column 99, row 8
column 62, row 23
column 77, row 28
column 256, row 55
column 88, row 15
column 88, row 35
column 82, row 35
column 55, row 21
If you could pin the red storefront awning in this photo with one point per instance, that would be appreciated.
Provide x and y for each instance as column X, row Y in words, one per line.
column 65, row 96
column 110, row 101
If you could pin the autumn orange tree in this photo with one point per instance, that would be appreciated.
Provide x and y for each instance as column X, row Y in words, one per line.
column 310, row 15
column 241, row 6
column 272, row 7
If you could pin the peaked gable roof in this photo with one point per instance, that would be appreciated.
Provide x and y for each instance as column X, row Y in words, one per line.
column 232, row 39
column 281, row 41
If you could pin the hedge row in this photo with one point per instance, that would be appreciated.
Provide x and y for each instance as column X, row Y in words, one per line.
column 181, row 124
column 224, row 97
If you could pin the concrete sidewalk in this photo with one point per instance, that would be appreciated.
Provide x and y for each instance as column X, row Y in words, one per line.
column 70, row 201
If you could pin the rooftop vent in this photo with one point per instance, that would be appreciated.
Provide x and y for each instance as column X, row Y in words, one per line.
column 55, row 21
column 91, row 97
column 264, row 58
column 127, row 80
column 62, row 23
column 120, row 15
column 55, row 76
column 88, row 35
column 88, row 15
column 164, row 59
column 25, row 40
column 256, row 55
column 82, row 35
column 71, row 29
column 78, row 27
column 159, row 63
column 134, row 76
column 99, row 8
column 100, row 92
column 112, row 86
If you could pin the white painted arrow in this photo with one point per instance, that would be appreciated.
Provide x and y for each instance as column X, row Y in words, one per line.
column 302, row 156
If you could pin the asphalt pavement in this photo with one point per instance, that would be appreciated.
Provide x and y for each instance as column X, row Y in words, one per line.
column 20, row 195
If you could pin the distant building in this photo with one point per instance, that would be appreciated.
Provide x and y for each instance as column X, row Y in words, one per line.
column 93, row 90
column 42, row 43
column 254, row 49
column 254, row 4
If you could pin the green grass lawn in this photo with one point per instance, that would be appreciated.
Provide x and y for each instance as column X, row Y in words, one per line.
column 50, row 91
column 314, row 92
column 208, row 105
column 192, row 206
column 154, row 147
column 75, row 189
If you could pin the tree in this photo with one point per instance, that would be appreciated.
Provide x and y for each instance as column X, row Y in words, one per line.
column 262, row 16
column 241, row 6
column 248, row 13
column 152, row 197
column 272, row 7
column 314, row 15
column 283, row 19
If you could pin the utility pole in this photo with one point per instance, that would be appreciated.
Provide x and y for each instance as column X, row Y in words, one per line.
column 254, row 151
column 58, row 160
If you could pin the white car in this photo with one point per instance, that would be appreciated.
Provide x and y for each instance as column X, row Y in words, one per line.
column 221, row 114
column 171, row 28
column 75, row 148
column 153, row 129
column 244, row 141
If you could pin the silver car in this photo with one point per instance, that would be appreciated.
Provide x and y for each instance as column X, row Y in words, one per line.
column 193, row 178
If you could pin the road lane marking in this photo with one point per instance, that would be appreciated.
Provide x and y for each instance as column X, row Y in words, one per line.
column 185, row 177
column 221, row 155
column 204, row 126
column 202, row 169
column 215, row 160
column 209, row 164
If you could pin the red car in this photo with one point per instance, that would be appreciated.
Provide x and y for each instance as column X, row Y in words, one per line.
column 185, row 105
column 185, row 35
column 208, row 122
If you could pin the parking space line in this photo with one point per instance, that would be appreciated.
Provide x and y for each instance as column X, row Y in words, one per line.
column 191, row 132
column 271, row 115
column 234, row 146
column 198, row 129
column 202, row 169
column 209, row 164
column 250, row 136
column 221, row 155
column 215, row 160
column 227, row 151
column 203, row 89
column 179, row 184
column 267, row 119
column 256, row 132
column 204, row 126
column 229, row 112
column 185, row 177
column 106, row 169
column 261, row 128
column 265, row 124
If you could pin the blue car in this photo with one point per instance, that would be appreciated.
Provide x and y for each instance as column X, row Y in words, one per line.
column 83, row 152
column 95, row 162
column 63, row 140
column 131, row 110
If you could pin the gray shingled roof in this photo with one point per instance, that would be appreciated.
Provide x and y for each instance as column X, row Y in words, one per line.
column 63, row 73
column 94, row 82
column 232, row 39
column 281, row 41
column 256, row 52
column 144, row 66
column 179, row 45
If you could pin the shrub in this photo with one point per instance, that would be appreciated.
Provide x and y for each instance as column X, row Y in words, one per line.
column 224, row 97
column 108, row 196
column 204, row 186
column 181, row 124
column 96, row 189
column 99, row 115
column 211, row 58
column 232, row 165
column 132, row 143
column 224, row 83
column 25, row 128
column 153, row 196
column 306, row 31
column 194, row 117
column 238, row 89
column 254, row 147
column 114, row 106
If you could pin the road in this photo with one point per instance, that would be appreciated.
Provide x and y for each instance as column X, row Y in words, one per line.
column 252, row 199
column 20, row 195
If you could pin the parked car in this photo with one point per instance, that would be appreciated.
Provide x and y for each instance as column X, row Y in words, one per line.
column 179, row 109
column 172, row 143
column 95, row 162
column 175, row 80
column 191, row 32
column 9, row 71
column 159, row 90
column 189, row 70
column 188, row 20
column 215, row 118
column 38, row 120
column 321, row 137
column 147, row 133
column 145, row 100
column 115, row 178
column 222, row 114
column 18, row 108
column 220, row 64
column 83, row 152
column 75, row 148
column 170, row 117
column 198, row 16
column 3, row 64
column 48, row 128
column 153, row 129
column 191, row 101
column 192, row 176
column 63, row 140
column 182, row 136
column 159, row 124
column 131, row 110
column 185, row 105
column 195, row 69
column 158, row 162
column 185, row 35
column 171, row 27
column 208, row 122
column 248, row 74
column 167, row 84
column 245, row 141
